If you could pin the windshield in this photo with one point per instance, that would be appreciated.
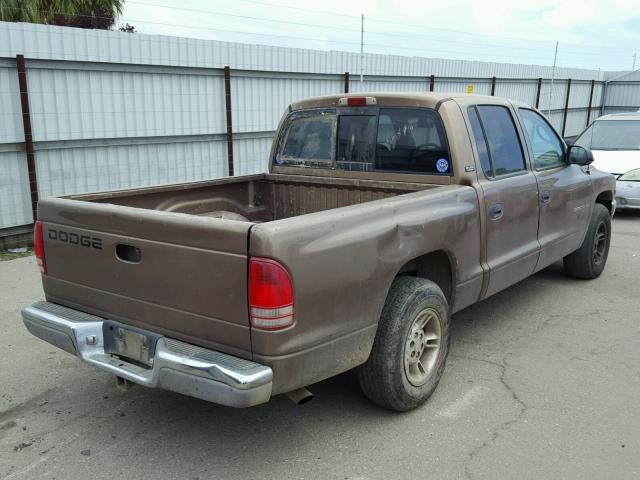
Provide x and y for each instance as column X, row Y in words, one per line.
column 404, row 140
column 611, row 135
column 632, row 176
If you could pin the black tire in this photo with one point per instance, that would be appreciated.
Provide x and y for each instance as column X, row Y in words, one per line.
column 384, row 378
column 589, row 260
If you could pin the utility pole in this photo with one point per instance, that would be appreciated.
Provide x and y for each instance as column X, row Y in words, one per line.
column 633, row 68
column 362, row 48
column 553, row 77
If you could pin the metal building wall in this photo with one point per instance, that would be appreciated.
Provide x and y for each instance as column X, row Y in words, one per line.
column 15, row 207
column 114, row 110
column 622, row 94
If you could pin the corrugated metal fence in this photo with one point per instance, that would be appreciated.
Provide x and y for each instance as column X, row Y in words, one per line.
column 114, row 110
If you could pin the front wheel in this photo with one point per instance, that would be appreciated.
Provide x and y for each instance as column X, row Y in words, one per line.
column 410, row 348
column 589, row 260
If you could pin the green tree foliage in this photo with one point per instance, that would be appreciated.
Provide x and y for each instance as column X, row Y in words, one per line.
column 72, row 13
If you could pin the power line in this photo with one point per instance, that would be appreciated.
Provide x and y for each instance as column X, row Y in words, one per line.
column 248, row 17
column 302, row 9
column 242, row 32
column 515, row 47
column 413, row 25
column 322, row 26
column 324, row 39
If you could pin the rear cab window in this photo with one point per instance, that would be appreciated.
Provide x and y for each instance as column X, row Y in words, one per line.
column 401, row 140
column 309, row 139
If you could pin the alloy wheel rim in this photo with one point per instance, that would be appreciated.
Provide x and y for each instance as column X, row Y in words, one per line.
column 599, row 244
column 422, row 347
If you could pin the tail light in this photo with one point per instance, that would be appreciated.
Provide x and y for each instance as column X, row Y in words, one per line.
column 38, row 247
column 270, row 295
column 356, row 101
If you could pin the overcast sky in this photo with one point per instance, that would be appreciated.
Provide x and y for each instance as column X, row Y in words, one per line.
column 592, row 34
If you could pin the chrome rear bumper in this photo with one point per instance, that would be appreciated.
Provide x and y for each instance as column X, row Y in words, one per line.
column 177, row 366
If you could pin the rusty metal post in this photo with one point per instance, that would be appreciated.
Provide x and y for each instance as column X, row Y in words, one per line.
column 493, row 86
column 566, row 107
column 346, row 82
column 28, row 134
column 538, row 92
column 227, row 101
column 432, row 82
column 593, row 85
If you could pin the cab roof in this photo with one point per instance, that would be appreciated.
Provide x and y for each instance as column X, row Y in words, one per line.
column 620, row 116
column 402, row 99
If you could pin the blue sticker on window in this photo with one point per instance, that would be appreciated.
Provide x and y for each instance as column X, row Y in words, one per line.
column 442, row 165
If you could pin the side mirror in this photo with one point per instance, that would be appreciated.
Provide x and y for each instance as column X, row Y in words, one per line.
column 577, row 155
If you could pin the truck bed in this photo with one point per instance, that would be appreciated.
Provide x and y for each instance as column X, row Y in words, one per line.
column 257, row 198
column 173, row 259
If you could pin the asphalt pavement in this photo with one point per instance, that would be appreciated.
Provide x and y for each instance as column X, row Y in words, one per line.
column 543, row 382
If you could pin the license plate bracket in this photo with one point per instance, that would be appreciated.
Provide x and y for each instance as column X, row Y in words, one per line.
column 129, row 342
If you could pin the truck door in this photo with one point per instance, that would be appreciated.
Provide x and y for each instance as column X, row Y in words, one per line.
column 564, row 189
column 510, row 194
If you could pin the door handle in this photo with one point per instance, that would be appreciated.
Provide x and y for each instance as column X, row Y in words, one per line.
column 545, row 197
column 128, row 253
column 496, row 211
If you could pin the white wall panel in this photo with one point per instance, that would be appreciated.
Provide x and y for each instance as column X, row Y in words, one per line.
column 392, row 84
column 15, row 199
column 68, row 104
column 623, row 95
column 10, row 112
column 556, row 92
column 521, row 91
column 579, row 96
column 254, row 153
column 259, row 103
column 63, row 171
column 576, row 122
column 480, row 86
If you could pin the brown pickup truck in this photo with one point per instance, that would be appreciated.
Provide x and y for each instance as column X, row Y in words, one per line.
column 381, row 215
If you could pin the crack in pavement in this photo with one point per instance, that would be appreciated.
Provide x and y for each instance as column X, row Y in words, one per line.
column 503, row 366
column 502, row 427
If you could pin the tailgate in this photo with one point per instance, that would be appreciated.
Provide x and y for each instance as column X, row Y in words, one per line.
column 180, row 275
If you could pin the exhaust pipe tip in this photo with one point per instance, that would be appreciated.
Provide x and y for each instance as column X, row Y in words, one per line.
column 123, row 384
column 300, row 396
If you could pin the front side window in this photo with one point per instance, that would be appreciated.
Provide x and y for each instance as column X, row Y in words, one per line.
column 403, row 140
column 548, row 151
column 505, row 150
column 611, row 135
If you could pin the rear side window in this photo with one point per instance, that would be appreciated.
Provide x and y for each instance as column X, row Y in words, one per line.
column 503, row 143
column 403, row 140
column 481, row 142
column 309, row 138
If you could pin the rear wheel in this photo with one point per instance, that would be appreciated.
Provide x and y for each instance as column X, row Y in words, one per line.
column 589, row 260
column 410, row 348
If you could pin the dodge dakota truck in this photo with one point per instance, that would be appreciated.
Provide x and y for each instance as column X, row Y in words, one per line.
column 380, row 216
